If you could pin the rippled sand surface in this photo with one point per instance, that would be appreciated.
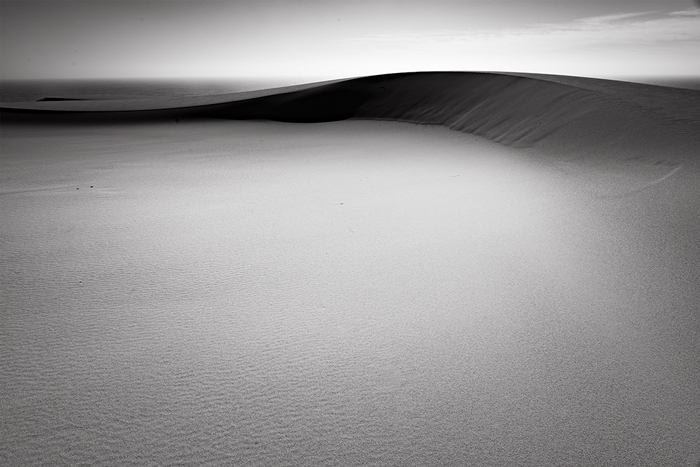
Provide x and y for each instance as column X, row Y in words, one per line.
column 355, row 293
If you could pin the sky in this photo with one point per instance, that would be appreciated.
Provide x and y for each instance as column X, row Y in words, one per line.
column 336, row 39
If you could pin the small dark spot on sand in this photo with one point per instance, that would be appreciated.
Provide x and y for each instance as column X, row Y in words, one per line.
column 256, row 442
column 91, row 186
column 77, row 188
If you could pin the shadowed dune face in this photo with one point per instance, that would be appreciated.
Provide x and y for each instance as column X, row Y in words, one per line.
column 325, row 104
column 510, row 110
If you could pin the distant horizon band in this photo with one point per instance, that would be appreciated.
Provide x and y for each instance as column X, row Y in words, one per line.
column 29, row 90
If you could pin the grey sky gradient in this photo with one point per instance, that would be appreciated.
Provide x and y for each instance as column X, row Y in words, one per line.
column 329, row 39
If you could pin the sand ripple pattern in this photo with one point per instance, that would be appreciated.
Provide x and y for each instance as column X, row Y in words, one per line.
column 356, row 293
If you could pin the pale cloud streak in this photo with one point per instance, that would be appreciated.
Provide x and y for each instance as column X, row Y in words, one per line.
column 631, row 28
column 612, row 18
column 639, row 39
column 691, row 12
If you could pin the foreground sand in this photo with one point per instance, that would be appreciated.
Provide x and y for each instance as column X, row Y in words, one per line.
column 347, row 293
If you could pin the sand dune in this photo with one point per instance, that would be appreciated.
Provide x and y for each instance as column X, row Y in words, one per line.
column 582, row 116
column 586, row 119
column 616, row 137
column 509, row 279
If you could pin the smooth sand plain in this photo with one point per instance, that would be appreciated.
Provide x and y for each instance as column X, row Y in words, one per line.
column 348, row 293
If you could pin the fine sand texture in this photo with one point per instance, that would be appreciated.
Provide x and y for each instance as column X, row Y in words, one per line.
column 442, row 269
